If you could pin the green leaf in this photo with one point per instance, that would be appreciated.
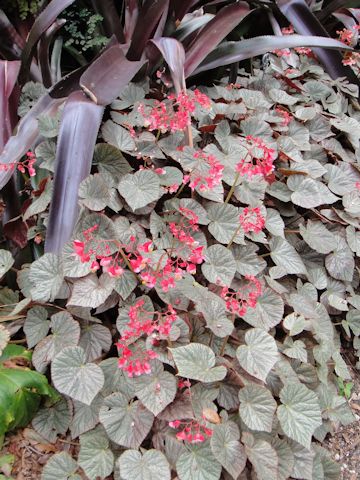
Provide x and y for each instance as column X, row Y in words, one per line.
column 227, row 449
column 74, row 377
column 125, row 284
column 20, row 394
column 140, row 189
column 109, row 159
column 126, row 424
column 257, row 407
column 299, row 415
column 157, row 389
column 294, row 323
column 52, row 421
column 39, row 204
column 15, row 351
column 36, row 325
column 247, row 260
column 198, row 463
column 61, row 466
column 4, row 338
column 262, row 456
column 94, row 192
column 280, row 96
column 259, row 354
column 95, row 339
column 117, row 136
column 95, row 456
column 219, row 266
column 284, row 255
column 340, row 264
column 309, row 194
column 65, row 333
column 6, row 262
column 152, row 465
column 295, row 349
column 197, row 361
column 85, row 417
column 268, row 311
column 285, row 458
column 46, row 276
column 224, row 223
column 318, row 237
column 91, row 291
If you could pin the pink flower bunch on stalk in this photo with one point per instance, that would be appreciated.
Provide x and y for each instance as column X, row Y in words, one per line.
column 135, row 359
column 287, row 117
column 257, row 165
column 207, row 175
column 27, row 164
column 192, row 431
column 251, row 220
column 174, row 112
column 238, row 302
column 348, row 36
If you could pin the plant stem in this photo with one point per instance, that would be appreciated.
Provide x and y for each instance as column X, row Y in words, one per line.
column 126, row 260
column 233, row 237
column 222, row 349
column 231, row 191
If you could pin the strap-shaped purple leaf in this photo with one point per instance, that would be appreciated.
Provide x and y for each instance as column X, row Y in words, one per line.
column 231, row 52
column 80, row 123
column 108, row 75
column 305, row 23
column 213, row 33
column 174, row 55
column 181, row 7
column 131, row 16
column 43, row 51
column 147, row 21
column 26, row 134
column 41, row 24
column 8, row 75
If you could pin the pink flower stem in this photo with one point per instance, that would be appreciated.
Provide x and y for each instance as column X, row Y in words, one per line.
column 231, row 191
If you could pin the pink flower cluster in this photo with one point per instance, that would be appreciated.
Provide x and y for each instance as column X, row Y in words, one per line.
column 134, row 359
column 208, row 173
column 251, row 220
column 254, row 164
column 192, row 431
column 238, row 302
column 174, row 113
column 286, row 51
column 27, row 164
column 287, row 117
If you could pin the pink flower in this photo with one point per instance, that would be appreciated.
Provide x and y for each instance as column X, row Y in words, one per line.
column 251, row 220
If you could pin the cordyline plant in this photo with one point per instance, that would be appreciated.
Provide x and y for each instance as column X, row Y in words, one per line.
column 201, row 249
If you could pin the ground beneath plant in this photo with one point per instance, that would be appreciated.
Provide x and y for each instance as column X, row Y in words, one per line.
column 32, row 452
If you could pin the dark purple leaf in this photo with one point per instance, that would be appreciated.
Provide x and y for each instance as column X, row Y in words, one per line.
column 108, row 75
column 190, row 25
column 131, row 16
column 111, row 19
column 174, row 55
column 27, row 133
column 44, row 45
column 305, row 23
column 182, row 7
column 80, row 123
column 8, row 75
column 231, row 52
column 148, row 19
column 325, row 12
column 41, row 24
column 213, row 33
column 11, row 45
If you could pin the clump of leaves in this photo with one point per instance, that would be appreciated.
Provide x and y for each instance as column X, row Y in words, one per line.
column 216, row 247
column 82, row 29
column 21, row 389
column 22, row 8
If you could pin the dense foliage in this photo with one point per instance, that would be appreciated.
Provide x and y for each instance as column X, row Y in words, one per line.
column 192, row 318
